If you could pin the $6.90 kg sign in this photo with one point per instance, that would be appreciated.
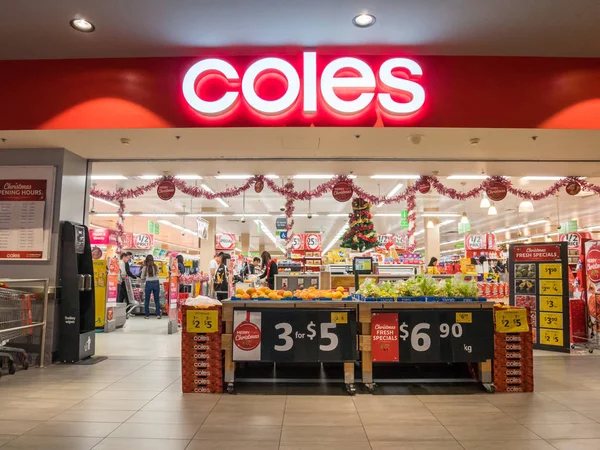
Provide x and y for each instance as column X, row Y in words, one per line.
column 420, row 340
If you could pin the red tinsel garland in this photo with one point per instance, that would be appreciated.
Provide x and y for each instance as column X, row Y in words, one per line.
column 291, row 195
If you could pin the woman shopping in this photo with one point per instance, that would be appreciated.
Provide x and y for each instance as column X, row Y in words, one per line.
column 150, row 276
column 270, row 269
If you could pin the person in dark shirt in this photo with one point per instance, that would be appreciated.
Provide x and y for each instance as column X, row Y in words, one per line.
column 221, row 279
column 270, row 269
column 127, row 268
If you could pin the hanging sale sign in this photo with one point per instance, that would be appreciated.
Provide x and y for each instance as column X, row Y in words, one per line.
column 475, row 241
column 297, row 242
column 225, row 241
column 138, row 241
column 312, row 242
column 294, row 335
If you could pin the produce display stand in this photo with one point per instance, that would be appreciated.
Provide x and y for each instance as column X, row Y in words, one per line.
column 290, row 331
column 426, row 332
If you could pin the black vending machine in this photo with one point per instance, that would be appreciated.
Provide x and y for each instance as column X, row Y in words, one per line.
column 77, row 307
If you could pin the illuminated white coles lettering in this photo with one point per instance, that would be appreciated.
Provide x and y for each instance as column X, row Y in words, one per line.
column 333, row 83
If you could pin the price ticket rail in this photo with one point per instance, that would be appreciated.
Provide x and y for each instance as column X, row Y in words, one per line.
column 290, row 332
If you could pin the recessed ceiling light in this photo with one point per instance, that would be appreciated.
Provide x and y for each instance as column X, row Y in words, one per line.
column 364, row 20
column 82, row 25
column 395, row 177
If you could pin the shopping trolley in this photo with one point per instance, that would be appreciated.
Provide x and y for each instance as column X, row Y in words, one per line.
column 16, row 318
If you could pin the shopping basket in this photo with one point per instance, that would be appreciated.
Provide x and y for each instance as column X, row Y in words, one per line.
column 16, row 316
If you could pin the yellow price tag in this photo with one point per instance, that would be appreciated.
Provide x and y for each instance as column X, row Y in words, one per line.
column 511, row 321
column 551, row 271
column 551, row 337
column 551, row 303
column 339, row 317
column 551, row 320
column 202, row 321
column 551, row 287
column 464, row 317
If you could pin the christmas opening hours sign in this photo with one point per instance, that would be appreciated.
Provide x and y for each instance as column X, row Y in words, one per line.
column 294, row 335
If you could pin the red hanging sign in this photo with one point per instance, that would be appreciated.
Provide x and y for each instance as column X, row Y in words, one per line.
column 312, row 242
column 259, row 186
column 342, row 191
column 166, row 190
column 573, row 188
column 496, row 191
column 423, row 187
column 384, row 337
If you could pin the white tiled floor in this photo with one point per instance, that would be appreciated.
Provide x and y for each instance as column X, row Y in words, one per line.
column 133, row 400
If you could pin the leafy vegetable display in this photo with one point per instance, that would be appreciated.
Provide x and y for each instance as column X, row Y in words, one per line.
column 419, row 286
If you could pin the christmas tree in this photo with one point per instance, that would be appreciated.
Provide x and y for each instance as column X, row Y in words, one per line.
column 361, row 235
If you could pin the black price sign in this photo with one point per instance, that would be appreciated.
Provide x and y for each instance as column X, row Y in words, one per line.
column 445, row 335
column 294, row 335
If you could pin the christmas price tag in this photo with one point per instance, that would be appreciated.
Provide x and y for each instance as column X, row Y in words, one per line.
column 296, row 335
column 202, row 321
column 511, row 321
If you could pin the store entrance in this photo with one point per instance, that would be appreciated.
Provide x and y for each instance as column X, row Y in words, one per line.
column 453, row 236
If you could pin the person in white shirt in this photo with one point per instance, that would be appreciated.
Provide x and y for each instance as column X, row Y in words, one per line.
column 122, row 290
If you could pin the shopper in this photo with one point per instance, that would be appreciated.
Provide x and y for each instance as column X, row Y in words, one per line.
column 127, row 265
column 213, row 265
column 270, row 269
column 250, row 268
column 122, row 289
column 152, row 287
column 432, row 267
column 221, row 279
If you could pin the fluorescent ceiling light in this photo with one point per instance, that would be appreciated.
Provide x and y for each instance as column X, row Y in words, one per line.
column 419, row 248
column 338, row 215
column 108, row 177
column 417, row 233
column 541, row 178
column 468, row 177
column 188, row 177
column 206, row 188
column 301, row 215
column 206, row 215
column 395, row 177
column 304, row 176
column 337, row 237
column 106, row 202
column 440, row 215
column 150, row 177
column 393, row 192
column 233, row 177
column 252, row 215
column 386, row 215
column 158, row 215
column 222, row 202
column 110, row 215
column 446, row 222
column 538, row 222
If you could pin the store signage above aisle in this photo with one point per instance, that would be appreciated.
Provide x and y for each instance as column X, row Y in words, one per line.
column 485, row 241
column 138, row 241
column 225, row 241
column 102, row 236
column 342, row 191
column 293, row 87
